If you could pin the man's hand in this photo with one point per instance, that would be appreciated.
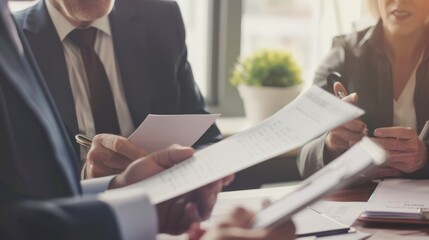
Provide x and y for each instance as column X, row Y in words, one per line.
column 151, row 164
column 175, row 215
column 345, row 136
column 109, row 155
column 237, row 227
column 407, row 152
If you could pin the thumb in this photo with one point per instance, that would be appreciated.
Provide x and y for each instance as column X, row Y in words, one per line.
column 352, row 98
column 171, row 156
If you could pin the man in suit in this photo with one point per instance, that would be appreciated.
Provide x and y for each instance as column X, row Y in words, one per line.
column 40, row 193
column 141, row 45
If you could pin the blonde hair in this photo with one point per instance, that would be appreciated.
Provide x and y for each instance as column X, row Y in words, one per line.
column 372, row 8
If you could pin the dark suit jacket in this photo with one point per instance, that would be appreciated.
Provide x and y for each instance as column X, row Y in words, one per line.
column 149, row 42
column 366, row 70
column 37, row 161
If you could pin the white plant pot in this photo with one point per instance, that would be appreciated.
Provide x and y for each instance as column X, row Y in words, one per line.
column 262, row 102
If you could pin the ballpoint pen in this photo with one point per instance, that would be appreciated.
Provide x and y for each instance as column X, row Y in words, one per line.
column 83, row 140
column 424, row 133
column 332, row 79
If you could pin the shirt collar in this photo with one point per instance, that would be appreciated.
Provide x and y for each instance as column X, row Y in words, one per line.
column 64, row 27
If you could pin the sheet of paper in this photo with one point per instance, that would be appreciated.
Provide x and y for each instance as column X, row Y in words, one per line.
column 310, row 222
column 308, row 116
column 343, row 212
column 250, row 199
column 161, row 131
column 404, row 197
column 307, row 221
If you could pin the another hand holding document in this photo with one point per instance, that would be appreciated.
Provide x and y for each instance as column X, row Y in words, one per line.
column 310, row 115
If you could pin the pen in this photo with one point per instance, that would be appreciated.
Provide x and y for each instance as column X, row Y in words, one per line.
column 424, row 133
column 83, row 140
column 332, row 79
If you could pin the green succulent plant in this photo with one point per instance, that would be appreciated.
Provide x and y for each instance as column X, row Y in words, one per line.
column 269, row 68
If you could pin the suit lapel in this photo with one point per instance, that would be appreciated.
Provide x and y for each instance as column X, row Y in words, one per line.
column 49, row 54
column 21, row 74
column 129, row 39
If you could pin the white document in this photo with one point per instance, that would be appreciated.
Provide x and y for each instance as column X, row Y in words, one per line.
column 307, row 222
column 161, row 131
column 343, row 212
column 399, row 198
column 308, row 116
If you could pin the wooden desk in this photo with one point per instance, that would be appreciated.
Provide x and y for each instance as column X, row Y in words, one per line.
column 362, row 193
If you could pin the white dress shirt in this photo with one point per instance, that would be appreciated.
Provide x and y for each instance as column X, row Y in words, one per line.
column 77, row 74
column 404, row 110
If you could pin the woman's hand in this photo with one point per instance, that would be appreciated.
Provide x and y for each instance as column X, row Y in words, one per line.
column 237, row 227
column 407, row 152
column 343, row 137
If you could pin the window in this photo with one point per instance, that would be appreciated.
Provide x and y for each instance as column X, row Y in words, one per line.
column 304, row 27
column 196, row 17
column 20, row 5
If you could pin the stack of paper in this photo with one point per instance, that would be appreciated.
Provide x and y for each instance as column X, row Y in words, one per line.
column 398, row 200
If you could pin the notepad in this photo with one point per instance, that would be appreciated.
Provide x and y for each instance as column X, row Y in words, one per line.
column 398, row 200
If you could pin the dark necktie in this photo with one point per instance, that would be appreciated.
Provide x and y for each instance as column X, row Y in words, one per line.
column 101, row 97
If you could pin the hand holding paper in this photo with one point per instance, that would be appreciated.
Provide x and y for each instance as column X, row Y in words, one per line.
column 111, row 154
column 307, row 117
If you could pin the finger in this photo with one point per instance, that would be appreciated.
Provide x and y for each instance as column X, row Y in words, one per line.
column 99, row 170
column 352, row 98
column 339, row 89
column 206, row 198
column 195, row 232
column 403, row 157
column 240, row 217
column 171, row 156
column 191, row 214
column 120, row 145
column 355, row 126
column 228, row 180
column 395, row 132
column 346, row 135
column 336, row 143
column 99, row 155
column 391, row 144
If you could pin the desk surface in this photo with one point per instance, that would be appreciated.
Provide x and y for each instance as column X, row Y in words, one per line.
column 362, row 193
column 359, row 193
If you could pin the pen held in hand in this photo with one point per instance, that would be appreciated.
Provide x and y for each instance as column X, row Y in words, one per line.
column 83, row 140
column 424, row 133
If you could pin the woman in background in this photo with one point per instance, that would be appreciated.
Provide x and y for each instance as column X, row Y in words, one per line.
column 387, row 66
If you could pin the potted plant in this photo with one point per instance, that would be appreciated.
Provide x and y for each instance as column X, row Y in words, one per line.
column 267, row 80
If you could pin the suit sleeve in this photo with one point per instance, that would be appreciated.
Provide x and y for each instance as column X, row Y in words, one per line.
column 111, row 215
column 311, row 157
column 192, row 99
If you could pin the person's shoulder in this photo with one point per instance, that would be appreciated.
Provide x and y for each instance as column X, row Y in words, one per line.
column 353, row 40
column 22, row 15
